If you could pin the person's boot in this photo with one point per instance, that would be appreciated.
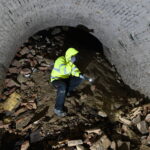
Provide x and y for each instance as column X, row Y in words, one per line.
column 60, row 113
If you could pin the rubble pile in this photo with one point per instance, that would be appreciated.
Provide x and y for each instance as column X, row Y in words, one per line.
column 103, row 115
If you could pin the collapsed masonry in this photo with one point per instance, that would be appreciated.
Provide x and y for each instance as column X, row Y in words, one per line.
column 106, row 114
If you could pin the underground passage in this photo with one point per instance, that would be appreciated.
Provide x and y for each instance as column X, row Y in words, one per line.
column 100, row 111
column 109, row 109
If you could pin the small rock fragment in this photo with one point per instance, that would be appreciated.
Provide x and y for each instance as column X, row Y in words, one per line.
column 12, row 102
column 137, row 119
column 23, row 87
column 93, row 87
column 21, row 110
column 16, row 63
column 136, row 111
column 148, row 140
column 36, row 136
column 43, row 68
column 74, row 143
column 144, row 140
column 13, row 70
column 147, row 119
column 97, row 131
column 30, row 56
column 105, row 141
column 125, row 121
column 83, row 97
column 142, row 127
column 25, row 145
column 11, row 83
column 4, row 126
column 23, row 121
column 24, row 51
column 117, row 105
column 21, row 78
column 97, row 146
column 30, row 83
column 30, row 105
column 33, row 52
column 102, row 114
column 25, row 71
column 113, row 145
column 80, row 147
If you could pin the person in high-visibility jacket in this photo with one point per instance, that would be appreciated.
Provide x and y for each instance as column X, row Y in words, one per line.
column 65, row 76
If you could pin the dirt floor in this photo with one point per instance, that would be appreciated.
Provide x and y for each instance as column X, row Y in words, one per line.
column 104, row 114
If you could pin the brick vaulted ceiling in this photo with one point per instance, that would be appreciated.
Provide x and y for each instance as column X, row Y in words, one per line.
column 122, row 26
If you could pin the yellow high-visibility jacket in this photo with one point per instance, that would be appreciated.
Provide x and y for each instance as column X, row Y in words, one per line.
column 63, row 67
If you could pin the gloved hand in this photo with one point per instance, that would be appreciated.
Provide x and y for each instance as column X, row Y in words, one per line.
column 82, row 77
column 86, row 78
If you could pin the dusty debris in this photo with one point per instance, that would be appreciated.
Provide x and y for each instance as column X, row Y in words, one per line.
column 93, row 111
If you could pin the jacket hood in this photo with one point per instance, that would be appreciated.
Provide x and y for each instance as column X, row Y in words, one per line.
column 69, row 53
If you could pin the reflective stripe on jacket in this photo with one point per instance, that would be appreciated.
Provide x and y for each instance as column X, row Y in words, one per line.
column 63, row 67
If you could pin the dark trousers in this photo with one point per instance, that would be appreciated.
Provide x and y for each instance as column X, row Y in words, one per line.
column 64, row 86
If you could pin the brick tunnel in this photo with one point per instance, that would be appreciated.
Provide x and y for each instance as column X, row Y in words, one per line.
column 122, row 26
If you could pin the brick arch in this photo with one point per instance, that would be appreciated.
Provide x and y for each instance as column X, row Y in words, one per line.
column 122, row 26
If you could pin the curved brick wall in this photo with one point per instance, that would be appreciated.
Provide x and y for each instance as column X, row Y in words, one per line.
column 122, row 26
